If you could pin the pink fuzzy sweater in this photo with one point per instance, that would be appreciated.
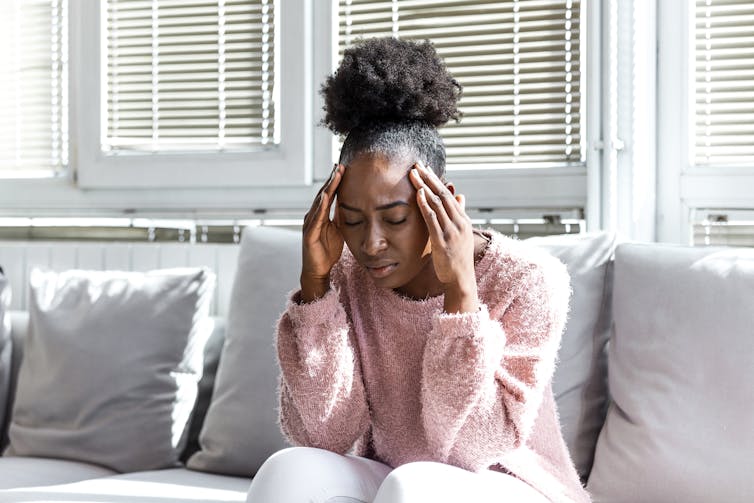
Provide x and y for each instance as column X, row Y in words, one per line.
column 399, row 380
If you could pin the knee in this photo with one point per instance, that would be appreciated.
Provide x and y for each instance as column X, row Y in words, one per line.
column 272, row 481
column 408, row 482
column 308, row 474
column 290, row 460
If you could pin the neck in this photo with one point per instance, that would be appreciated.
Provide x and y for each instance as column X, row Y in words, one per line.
column 424, row 285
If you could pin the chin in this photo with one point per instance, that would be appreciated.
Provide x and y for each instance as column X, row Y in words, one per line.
column 393, row 280
column 387, row 282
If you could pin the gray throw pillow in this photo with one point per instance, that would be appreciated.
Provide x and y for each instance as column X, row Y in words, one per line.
column 5, row 351
column 580, row 380
column 241, row 428
column 681, row 424
column 110, row 366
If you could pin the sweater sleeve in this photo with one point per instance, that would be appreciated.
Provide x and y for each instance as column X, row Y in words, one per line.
column 322, row 399
column 484, row 375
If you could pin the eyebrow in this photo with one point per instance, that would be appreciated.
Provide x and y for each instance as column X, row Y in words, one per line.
column 379, row 208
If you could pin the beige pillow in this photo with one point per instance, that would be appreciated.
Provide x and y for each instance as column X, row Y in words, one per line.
column 681, row 424
column 110, row 366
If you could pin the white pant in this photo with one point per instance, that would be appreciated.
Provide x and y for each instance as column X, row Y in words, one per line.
column 308, row 475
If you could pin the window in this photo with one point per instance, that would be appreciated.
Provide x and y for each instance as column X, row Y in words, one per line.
column 521, row 146
column 33, row 90
column 190, row 76
column 194, row 94
column 519, row 63
column 219, row 119
column 723, row 83
column 706, row 126
column 724, row 109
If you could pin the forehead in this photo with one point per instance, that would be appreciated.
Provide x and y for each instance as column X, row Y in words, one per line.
column 375, row 179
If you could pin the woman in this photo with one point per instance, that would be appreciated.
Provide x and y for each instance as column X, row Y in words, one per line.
column 417, row 360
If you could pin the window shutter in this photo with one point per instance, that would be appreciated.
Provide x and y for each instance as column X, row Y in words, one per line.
column 724, row 91
column 518, row 62
column 33, row 90
column 194, row 75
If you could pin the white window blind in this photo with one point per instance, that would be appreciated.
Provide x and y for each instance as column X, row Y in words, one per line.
column 33, row 90
column 724, row 228
column 190, row 75
column 724, row 82
column 518, row 62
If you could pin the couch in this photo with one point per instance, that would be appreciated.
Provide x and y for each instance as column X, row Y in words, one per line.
column 654, row 383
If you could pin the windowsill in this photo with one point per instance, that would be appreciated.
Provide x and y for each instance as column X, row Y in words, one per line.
column 517, row 188
column 718, row 188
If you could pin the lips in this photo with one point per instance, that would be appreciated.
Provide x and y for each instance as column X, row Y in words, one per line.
column 380, row 270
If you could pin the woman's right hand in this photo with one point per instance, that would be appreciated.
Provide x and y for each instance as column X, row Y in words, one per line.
column 322, row 240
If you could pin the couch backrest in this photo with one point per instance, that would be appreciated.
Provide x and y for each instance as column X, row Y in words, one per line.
column 18, row 258
column 579, row 383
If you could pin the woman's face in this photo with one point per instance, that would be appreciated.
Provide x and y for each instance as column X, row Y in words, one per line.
column 382, row 225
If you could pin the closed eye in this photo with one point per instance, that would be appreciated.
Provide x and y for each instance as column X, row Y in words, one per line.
column 396, row 222
column 351, row 224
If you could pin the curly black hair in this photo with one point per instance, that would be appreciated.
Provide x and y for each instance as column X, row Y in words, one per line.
column 390, row 80
column 390, row 96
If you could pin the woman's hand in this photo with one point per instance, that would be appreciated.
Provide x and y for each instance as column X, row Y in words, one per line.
column 451, row 237
column 322, row 240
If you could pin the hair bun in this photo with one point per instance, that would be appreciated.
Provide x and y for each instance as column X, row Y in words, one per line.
column 389, row 80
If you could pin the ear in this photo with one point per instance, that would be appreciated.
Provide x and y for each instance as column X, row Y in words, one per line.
column 450, row 187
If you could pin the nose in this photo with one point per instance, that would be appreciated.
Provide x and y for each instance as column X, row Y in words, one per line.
column 374, row 241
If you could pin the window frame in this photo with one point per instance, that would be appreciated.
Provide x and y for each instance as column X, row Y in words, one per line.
column 281, row 164
column 684, row 189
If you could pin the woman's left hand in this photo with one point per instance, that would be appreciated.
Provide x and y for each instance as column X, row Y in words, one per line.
column 451, row 237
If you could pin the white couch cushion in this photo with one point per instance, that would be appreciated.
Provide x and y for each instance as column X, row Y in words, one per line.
column 580, row 380
column 164, row 486
column 16, row 471
column 110, row 366
column 241, row 428
column 681, row 425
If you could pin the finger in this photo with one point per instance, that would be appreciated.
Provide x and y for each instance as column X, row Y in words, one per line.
column 332, row 191
column 438, row 205
column 321, row 215
column 329, row 180
column 315, row 201
column 430, row 218
column 311, row 219
column 435, row 201
column 461, row 202
column 437, row 186
column 337, row 215
column 335, row 179
column 329, row 187
column 414, row 177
